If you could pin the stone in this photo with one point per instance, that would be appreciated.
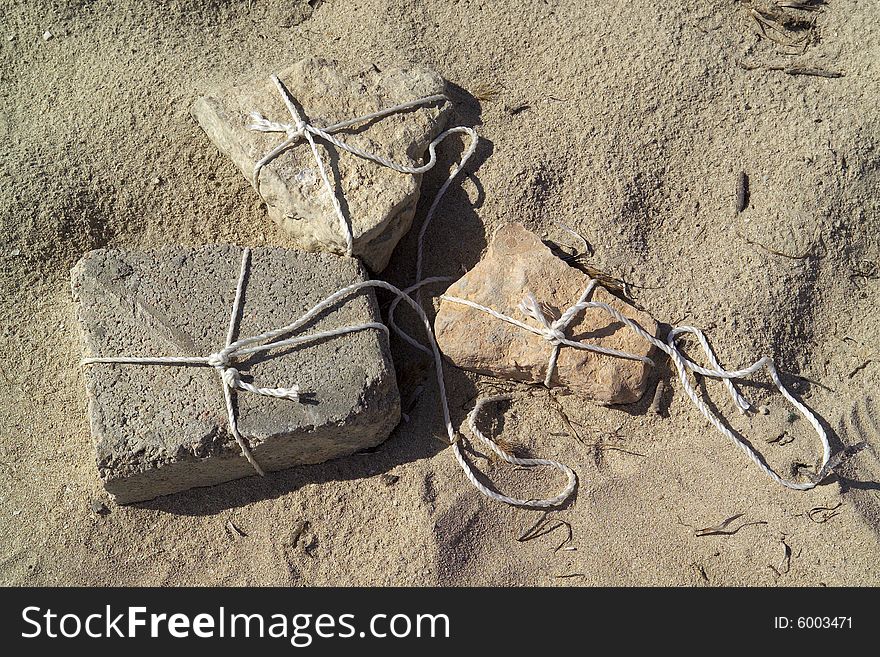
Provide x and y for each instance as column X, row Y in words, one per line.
column 515, row 263
column 99, row 508
column 160, row 429
column 378, row 202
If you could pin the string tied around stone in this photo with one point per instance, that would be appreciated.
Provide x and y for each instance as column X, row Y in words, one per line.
column 683, row 365
column 553, row 332
column 300, row 129
column 223, row 361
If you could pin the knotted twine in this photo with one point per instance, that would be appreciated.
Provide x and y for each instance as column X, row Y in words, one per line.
column 554, row 333
column 300, row 129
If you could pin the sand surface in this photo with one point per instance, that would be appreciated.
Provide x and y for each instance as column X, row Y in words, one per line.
column 628, row 121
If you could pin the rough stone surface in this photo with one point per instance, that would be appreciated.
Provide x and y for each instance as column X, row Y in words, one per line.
column 378, row 202
column 160, row 429
column 516, row 262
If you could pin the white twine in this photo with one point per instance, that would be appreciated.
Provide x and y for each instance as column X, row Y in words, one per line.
column 300, row 129
column 554, row 334
column 510, row 458
column 469, row 472
column 223, row 359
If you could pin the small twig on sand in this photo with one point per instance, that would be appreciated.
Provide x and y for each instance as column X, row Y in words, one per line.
column 816, row 72
column 569, row 427
column 602, row 446
column 781, row 439
column 822, row 514
column 722, row 529
column 803, row 5
column 657, row 401
column 808, row 253
column 800, row 377
column 794, row 70
column 742, row 191
column 785, row 564
column 837, row 459
column 541, row 528
column 234, row 529
column 862, row 366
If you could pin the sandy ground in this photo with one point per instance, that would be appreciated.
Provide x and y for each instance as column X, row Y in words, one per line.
column 627, row 120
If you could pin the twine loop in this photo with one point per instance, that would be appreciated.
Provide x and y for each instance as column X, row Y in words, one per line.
column 553, row 332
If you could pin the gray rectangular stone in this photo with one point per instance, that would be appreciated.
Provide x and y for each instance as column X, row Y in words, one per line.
column 160, row 429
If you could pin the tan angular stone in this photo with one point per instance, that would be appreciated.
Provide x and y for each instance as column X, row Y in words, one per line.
column 518, row 262
column 378, row 202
